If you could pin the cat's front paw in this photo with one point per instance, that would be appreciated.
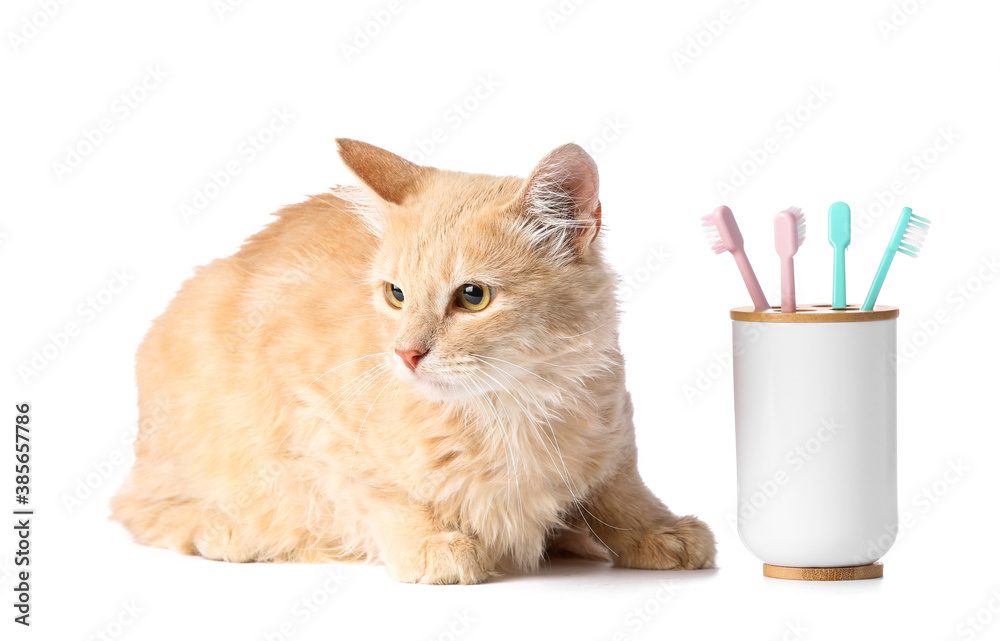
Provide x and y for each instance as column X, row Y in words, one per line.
column 443, row 558
column 687, row 544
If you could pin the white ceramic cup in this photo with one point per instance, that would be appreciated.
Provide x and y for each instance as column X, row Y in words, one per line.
column 816, row 434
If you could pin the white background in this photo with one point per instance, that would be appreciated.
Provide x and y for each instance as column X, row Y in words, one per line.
column 908, row 115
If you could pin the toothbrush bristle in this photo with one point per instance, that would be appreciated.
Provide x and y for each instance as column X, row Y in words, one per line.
column 720, row 227
column 914, row 236
column 789, row 231
column 712, row 234
column 800, row 223
column 715, row 243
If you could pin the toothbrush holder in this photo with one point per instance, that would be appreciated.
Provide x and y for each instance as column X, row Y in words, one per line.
column 815, row 401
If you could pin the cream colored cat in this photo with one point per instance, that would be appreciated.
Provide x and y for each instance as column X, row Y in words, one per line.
column 424, row 373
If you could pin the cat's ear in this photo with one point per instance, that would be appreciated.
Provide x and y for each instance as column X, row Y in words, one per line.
column 391, row 177
column 561, row 196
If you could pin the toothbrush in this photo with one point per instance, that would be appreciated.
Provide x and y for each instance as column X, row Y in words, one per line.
column 789, row 232
column 907, row 238
column 724, row 235
column 839, row 219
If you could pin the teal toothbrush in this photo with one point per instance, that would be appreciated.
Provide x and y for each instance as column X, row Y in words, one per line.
column 839, row 219
column 907, row 239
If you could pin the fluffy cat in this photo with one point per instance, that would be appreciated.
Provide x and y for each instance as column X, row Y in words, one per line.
column 423, row 372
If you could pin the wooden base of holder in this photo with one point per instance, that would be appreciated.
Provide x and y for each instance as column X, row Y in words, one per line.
column 870, row 571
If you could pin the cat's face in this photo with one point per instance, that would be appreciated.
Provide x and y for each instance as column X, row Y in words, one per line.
column 480, row 281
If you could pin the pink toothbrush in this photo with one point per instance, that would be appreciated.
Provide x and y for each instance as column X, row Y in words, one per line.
column 789, row 232
column 724, row 235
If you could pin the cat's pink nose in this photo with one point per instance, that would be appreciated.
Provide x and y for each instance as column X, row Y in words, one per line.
column 411, row 357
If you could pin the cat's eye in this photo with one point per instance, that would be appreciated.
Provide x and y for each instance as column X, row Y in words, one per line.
column 394, row 295
column 474, row 296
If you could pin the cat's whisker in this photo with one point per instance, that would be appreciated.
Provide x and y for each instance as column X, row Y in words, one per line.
column 528, row 414
column 329, row 371
column 598, row 519
column 535, row 400
column 350, row 474
column 309, row 411
column 510, row 443
column 341, row 394
column 506, row 436
column 477, row 380
column 589, row 331
column 538, row 376
column 358, row 387
column 582, row 366
column 565, row 474
column 506, row 460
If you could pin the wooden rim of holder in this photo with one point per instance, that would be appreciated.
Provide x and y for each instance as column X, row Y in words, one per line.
column 853, row 573
column 814, row 314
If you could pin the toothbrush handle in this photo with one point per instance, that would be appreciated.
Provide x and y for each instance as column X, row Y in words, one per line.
column 883, row 269
column 839, row 279
column 756, row 293
column 787, row 285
